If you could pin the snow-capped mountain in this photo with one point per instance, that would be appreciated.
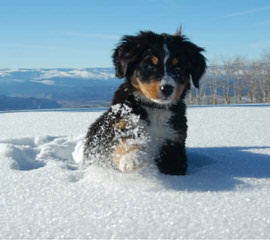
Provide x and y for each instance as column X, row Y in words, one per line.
column 67, row 87
column 44, row 73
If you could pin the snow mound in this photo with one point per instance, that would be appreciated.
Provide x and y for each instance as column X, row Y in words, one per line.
column 78, row 154
column 32, row 153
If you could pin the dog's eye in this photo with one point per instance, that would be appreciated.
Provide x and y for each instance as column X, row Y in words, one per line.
column 150, row 63
column 154, row 60
column 175, row 61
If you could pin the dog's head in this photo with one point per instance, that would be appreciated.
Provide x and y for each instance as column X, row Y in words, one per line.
column 159, row 66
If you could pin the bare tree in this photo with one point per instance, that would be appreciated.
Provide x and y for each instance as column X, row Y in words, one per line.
column 226, row 81
column 254, row 72
column 238, row 65
column 265, row 83
column 214, row 73
column 191, row 96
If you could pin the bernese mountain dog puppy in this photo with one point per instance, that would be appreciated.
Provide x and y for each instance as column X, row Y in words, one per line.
column 146, row 121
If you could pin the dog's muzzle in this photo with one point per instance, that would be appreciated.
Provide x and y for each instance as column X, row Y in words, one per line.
column 166, row 90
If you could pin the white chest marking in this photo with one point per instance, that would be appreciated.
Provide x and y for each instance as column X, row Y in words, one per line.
column 159, row 129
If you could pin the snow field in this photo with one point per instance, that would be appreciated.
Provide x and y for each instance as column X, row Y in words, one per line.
column 43, row 193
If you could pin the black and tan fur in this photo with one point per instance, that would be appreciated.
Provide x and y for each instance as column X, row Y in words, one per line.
column 157, row 69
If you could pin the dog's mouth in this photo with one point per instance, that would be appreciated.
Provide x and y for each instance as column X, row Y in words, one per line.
column 165, row 96
column 163, row 101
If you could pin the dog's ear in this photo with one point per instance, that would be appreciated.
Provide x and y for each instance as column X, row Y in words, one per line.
column 196, row 62
column 126, row 54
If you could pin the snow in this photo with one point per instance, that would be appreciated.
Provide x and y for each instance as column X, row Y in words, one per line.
column 43, row 193
column 47, row 74
column 76, row 73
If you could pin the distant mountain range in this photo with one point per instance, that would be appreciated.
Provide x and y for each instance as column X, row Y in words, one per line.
column 94, row 87
column 52, row 88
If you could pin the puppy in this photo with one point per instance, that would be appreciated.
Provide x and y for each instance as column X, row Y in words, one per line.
column 146, row 121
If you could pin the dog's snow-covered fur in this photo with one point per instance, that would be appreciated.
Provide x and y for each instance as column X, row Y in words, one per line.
column 146, row 121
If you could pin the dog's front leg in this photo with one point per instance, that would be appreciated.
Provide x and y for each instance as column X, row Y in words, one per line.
column 128, row 154
column 128, row 157
column 172, row 159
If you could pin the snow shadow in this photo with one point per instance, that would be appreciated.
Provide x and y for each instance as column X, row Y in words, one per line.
column 28, row 154
column 25, row 159
column 221, row 168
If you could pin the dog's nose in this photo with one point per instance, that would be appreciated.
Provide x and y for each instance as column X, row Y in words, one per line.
column 166, row 90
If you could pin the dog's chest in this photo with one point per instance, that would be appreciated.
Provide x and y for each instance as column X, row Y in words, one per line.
column 158, row 125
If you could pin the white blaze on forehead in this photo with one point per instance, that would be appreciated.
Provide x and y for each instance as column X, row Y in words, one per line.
column 166, row 78
column 167, row 55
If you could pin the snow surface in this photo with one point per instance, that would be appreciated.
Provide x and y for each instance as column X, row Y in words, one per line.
column 43, row 193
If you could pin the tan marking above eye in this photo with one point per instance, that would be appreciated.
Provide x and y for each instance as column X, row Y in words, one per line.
column 175, row 61
column 154, row 60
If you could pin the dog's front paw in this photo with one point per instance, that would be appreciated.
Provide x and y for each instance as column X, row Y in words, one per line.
column 129, row 157
column 132, row 161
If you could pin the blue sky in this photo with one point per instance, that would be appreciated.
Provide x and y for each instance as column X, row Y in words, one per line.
column 83, row 33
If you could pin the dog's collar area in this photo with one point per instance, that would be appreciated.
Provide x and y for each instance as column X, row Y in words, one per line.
column 149, row 103
column 155, row 104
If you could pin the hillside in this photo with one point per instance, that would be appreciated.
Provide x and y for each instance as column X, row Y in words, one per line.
column 225, row 194
column 67, row 87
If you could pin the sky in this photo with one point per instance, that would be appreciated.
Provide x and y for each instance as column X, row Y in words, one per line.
column 83, row 33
